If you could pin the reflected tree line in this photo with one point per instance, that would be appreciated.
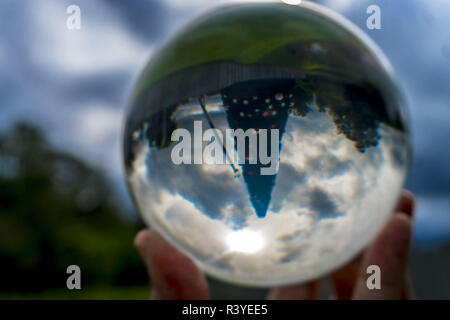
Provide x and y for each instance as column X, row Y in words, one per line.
column 357, row 111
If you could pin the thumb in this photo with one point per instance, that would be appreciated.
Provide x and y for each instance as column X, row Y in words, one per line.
column 173, row 275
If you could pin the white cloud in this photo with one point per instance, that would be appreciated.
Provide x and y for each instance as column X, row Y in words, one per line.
column 97, row 123
column 100, row 45
column 340, row 5
column 97, row 134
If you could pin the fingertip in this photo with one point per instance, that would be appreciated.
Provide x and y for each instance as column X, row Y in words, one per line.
column 407, row 203
column 403, row 218
column 304, row 291
column 173, row 275
column 345, row 278
column 399, row 233
column 142, row 238
column 393, row 242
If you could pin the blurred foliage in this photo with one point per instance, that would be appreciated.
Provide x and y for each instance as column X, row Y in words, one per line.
column 89, row 293
column 55, row 211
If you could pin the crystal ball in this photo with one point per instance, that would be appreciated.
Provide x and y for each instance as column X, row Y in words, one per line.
column 267, row 142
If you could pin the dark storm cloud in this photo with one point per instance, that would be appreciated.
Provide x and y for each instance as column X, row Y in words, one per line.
column 147, row 19
column 430, row 176
column 107, row 86
column 288, row 179
column 321, row 203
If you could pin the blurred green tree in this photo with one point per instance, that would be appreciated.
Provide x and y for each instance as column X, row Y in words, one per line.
column 56, row 211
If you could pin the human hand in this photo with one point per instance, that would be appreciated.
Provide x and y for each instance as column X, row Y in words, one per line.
column 174, row 276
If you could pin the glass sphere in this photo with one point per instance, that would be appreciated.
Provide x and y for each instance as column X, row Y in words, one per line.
column 267, row 142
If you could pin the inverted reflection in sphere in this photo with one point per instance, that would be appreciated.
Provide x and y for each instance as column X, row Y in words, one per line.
column 332, row 173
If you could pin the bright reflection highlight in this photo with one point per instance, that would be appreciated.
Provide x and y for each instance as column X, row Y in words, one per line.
column 245, row 241
column 292, row 2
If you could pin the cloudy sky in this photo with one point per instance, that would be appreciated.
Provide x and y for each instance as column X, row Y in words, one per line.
column 75, row 84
